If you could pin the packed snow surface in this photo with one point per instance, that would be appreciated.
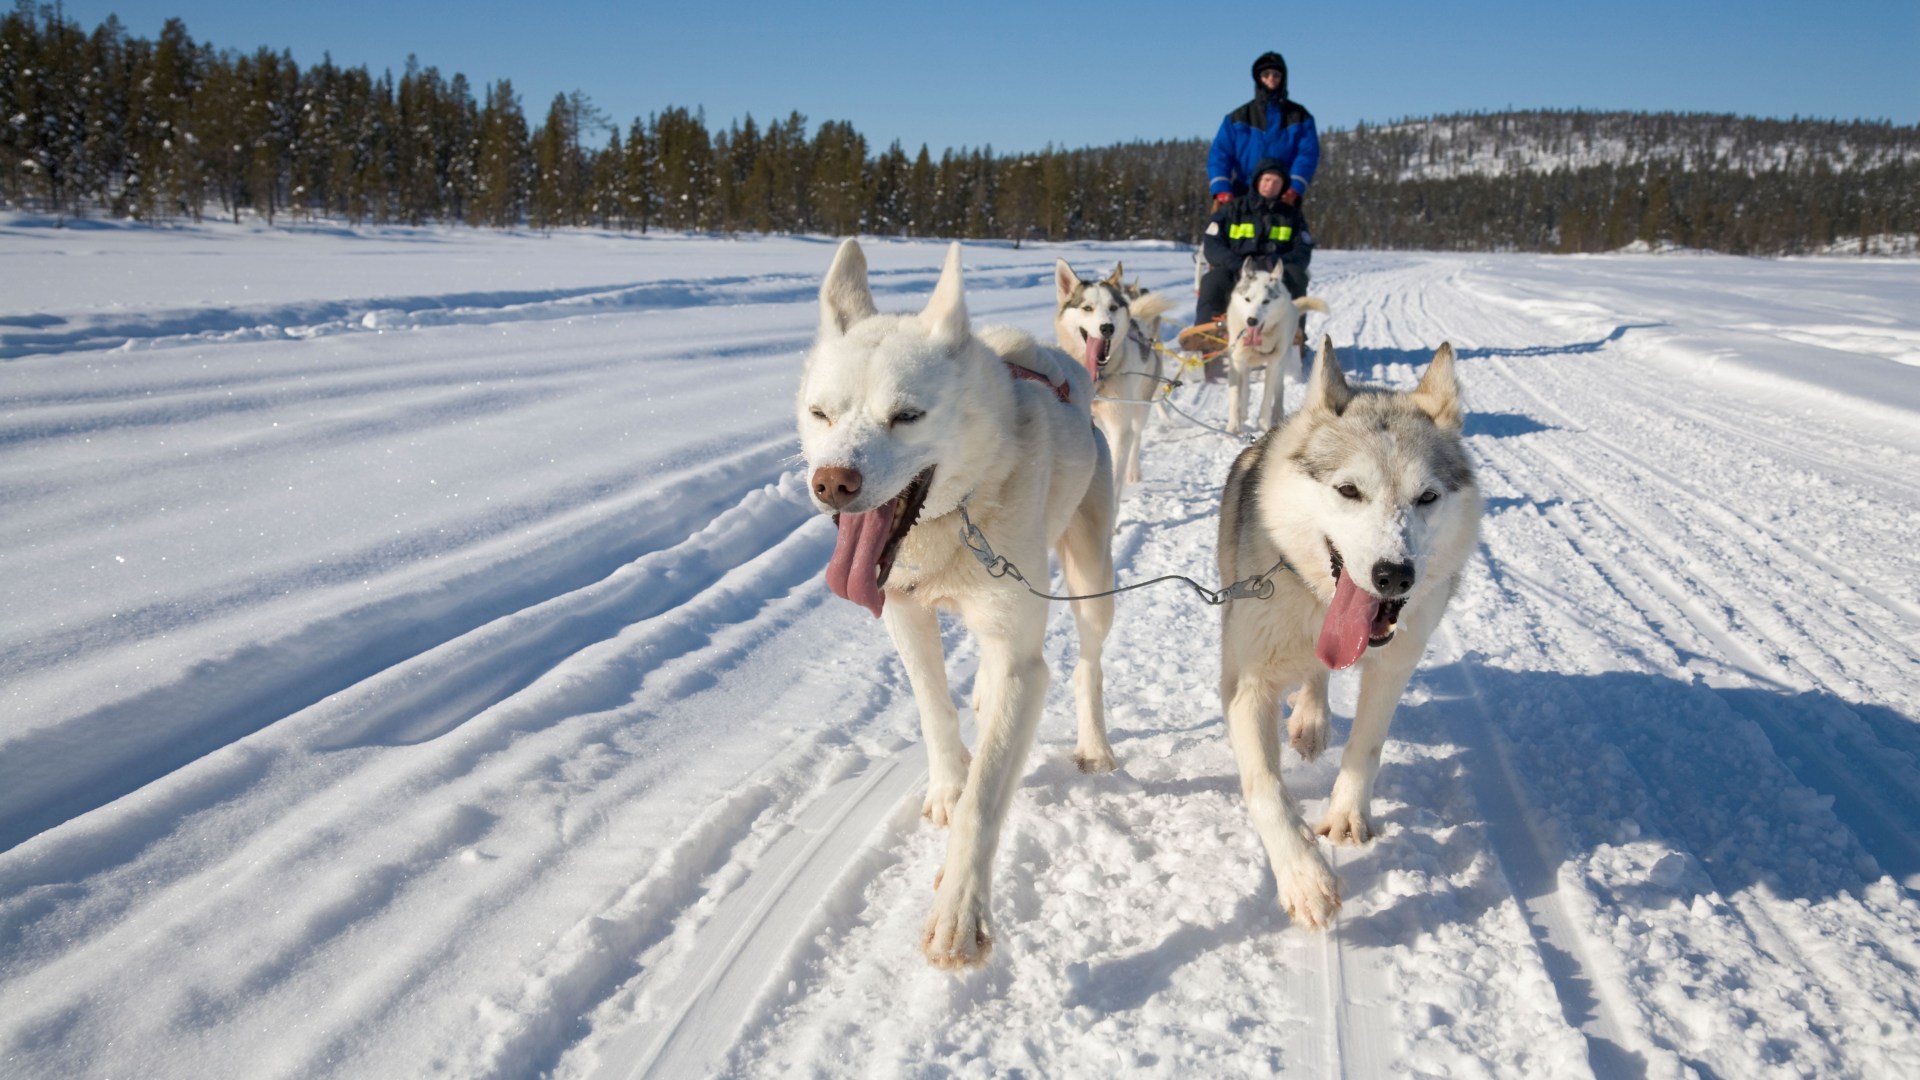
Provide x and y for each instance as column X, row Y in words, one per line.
column 416, row 661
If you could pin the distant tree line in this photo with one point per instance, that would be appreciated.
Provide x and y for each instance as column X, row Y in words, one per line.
column 1580, row 182
column 103, row 122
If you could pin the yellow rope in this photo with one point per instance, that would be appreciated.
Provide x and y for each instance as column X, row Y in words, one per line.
column 1189, row 361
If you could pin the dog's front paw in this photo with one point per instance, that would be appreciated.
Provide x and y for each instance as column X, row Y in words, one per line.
column 1309, row 892
column 1095, row 761
column 941, row 799
column 957, row 937
column 1307, row 730
column 1346, row 826
column 946, row 782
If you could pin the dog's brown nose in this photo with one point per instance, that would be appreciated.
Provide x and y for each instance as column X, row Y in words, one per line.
column 836, row 487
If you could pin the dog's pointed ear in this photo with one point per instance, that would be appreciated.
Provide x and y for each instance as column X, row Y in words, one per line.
column 1113, row 279
column 1438, row 394
column 845, row 298
column 1247, row 269
column 945, row 317
column 1327, row 387
column 1064, row 282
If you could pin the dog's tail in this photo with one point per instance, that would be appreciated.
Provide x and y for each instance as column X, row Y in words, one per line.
column 1312, row 303
column 1150, row 306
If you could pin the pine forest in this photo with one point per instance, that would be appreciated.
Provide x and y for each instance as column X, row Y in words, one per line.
column 103, row 123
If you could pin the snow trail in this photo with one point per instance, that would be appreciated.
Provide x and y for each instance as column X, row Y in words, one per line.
column 419, row 669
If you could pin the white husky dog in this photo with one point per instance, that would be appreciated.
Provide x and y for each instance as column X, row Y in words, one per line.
column 904, row 420
column 1096, row 321
column 1261, row 320
column 1360, row 481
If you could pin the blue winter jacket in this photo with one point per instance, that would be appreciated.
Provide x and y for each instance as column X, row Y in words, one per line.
column 1259, row 130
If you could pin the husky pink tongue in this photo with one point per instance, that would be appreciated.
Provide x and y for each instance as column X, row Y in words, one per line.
column 1092, row 357
column 1252, row 337
column 854, row 570
column 1349, row 622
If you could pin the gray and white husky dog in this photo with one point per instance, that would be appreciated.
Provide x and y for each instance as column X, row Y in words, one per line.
column 904, row 420
column 1261, row 320
column 1098, row 322
column 1368, row 495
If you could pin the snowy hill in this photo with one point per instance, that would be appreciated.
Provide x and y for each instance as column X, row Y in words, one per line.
column 1506, row 143
column 416, row 661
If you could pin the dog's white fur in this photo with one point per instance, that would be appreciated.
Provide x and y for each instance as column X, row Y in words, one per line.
column 890, row 395
column 1348, row 471
column 1261, row 320
column 1092, row 316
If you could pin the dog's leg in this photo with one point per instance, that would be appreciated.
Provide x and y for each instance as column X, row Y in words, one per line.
column 1307, row 722
column 1013, row 679
column 1308, row 890
column 1263, row 416
column 1123, row 439
column 1349, row 819
column 1130, row 456
column 916, row 634
column 1237, row 394
column 1086, row 564
column 1112, row 429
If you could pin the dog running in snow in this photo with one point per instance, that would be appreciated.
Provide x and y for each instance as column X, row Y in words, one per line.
column 1098, row 322
column 905, row 419
column 1369, row 496
column 1261, row 320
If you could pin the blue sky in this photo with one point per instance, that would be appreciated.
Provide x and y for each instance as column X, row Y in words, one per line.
column 1018, row 76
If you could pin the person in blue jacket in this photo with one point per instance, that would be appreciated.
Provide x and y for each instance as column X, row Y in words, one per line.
column 1272, row 125
column 1272, row 129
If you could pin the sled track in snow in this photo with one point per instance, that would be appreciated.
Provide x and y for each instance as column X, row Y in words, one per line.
column 749, row 944
column 456, row 651
column 1590, row 1000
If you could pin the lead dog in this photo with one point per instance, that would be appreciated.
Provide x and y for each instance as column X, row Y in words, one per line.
column 903, row 420
column 1098, row 322
column 1359, row 480
column 1261, row 320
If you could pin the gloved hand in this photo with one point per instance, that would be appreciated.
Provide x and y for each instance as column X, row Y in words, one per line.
column 1221, row 199
column 1290, row 197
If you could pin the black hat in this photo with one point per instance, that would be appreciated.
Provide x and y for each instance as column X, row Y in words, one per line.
column 1270, row 61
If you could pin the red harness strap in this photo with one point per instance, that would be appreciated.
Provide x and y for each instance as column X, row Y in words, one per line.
column 1019, row 372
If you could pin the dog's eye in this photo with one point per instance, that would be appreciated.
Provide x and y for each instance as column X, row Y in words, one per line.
column 1086, row 307
column 905, row 416
column 1427, row 498
column 1348, row 491
column 820, row 414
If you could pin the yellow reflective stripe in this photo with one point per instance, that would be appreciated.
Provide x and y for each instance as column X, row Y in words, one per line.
column 1281, row 232
column 1240, row 232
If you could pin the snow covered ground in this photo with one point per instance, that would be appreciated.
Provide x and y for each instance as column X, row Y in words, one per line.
column 415, row 661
